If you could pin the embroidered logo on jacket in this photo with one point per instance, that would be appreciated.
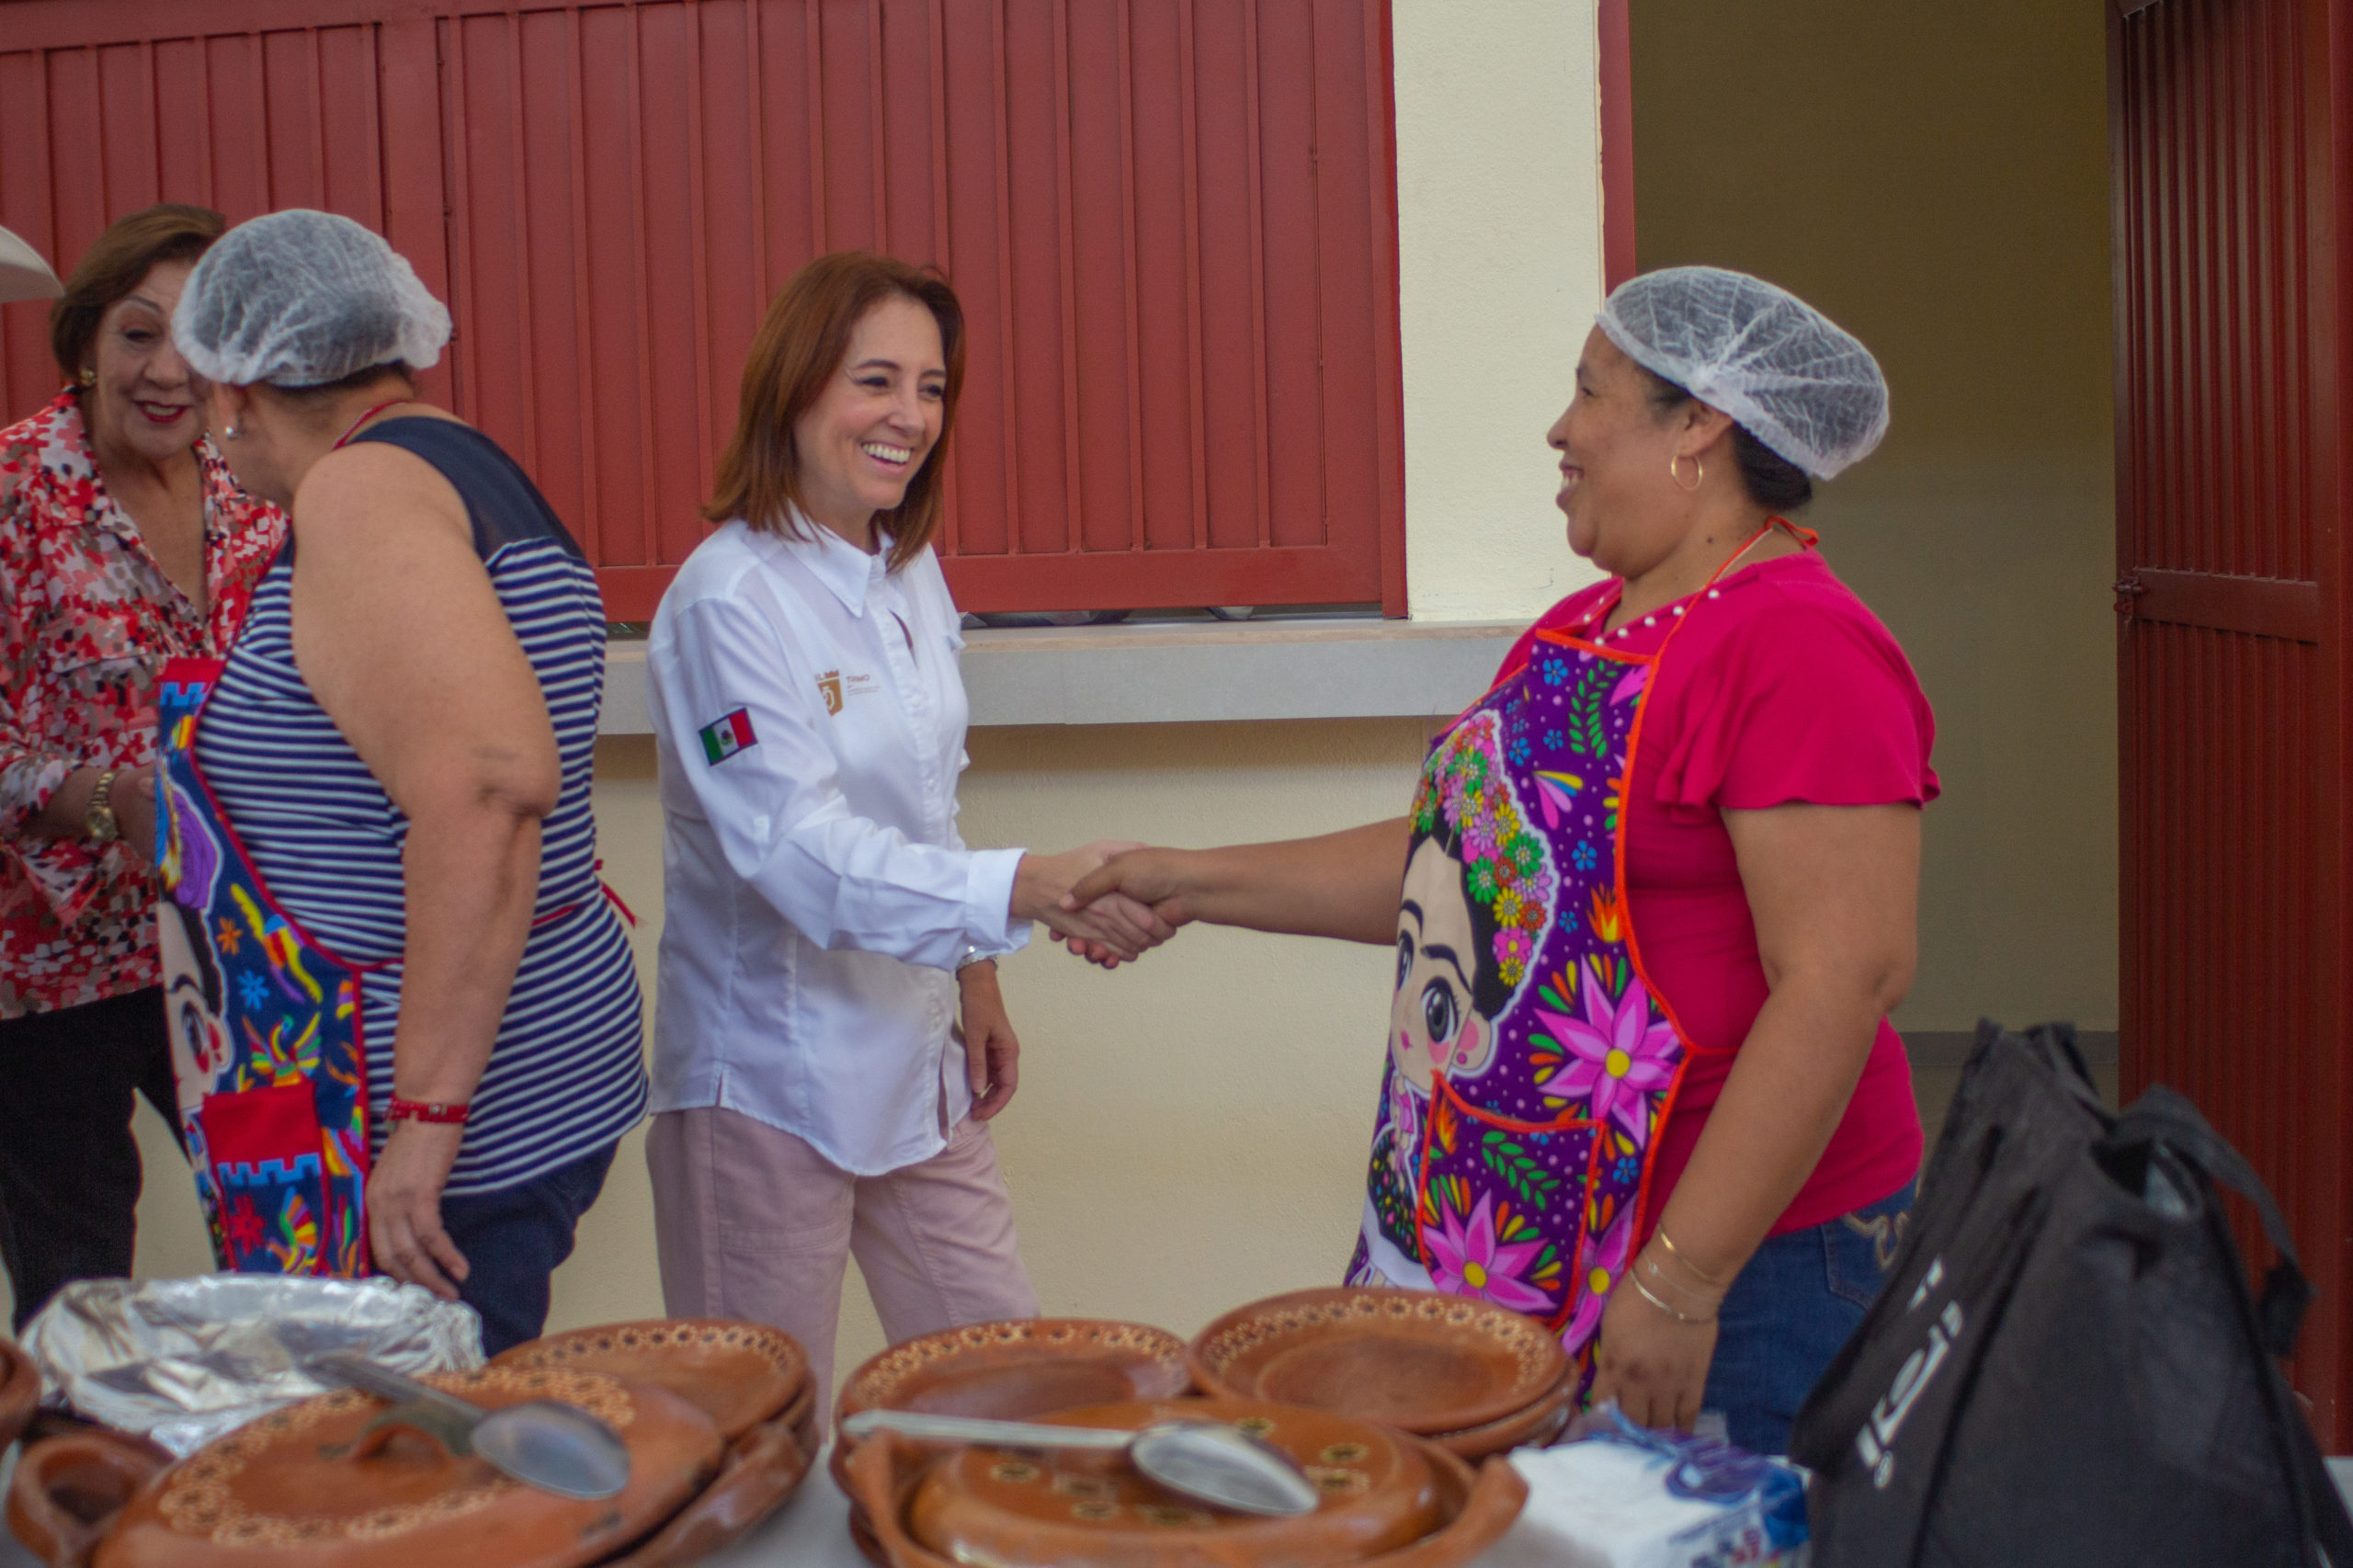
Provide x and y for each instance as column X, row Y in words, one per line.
column 829, row 687
column 731, row 734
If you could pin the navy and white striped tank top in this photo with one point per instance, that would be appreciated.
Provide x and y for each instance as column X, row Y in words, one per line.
column 567, row 1074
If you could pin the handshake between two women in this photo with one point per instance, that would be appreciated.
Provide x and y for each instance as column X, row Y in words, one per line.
column 1134, row 897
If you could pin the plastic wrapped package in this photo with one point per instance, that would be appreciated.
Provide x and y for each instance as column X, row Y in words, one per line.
column 182, row 1361
column 1624, row 1496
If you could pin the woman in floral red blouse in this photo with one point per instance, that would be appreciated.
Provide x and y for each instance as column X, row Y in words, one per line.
column 123, row 542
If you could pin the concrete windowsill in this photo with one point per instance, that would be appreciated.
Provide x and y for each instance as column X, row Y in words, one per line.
column 1189, row 672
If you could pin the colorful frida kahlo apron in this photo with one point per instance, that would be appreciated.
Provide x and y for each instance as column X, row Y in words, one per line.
column 1531, row 1063
column 266, row 1032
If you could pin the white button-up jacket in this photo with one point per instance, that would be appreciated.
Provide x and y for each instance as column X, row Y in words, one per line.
column 809, row 720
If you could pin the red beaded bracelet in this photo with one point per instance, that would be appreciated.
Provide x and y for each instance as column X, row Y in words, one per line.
column 425, row 1110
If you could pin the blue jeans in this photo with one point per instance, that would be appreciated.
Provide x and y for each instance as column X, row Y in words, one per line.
column 1790, row 1309
column 513, row 1240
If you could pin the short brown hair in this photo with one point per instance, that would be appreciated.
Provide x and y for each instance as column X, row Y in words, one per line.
column 116, row 263
column 801, row 344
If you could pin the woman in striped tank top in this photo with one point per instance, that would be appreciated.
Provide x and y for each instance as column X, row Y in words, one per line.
column 405, row 1024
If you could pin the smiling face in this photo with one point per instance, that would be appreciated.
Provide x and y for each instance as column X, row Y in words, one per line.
column 147, row 403
column 1431, row 1020
column 877, row 420
column 1625, row 512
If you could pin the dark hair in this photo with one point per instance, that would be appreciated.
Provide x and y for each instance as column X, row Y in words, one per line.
column 1489, row 994
column 1773, row 482
column 116, row 263
column 801, row 344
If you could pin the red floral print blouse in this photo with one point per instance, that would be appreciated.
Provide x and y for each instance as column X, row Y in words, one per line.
column 86, row 619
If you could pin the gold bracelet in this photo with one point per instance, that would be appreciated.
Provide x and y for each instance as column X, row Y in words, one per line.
column 1677, row 1253
column 1665, row 1283
column 1662, row 1306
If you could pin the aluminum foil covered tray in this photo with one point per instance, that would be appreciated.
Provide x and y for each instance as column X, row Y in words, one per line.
column 182, row 1361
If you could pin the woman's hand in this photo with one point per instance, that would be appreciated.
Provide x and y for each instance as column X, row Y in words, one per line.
column 992, row 1052
column 133, row 799
column 1139, row 874
column 405, row 1207
column 1652, row 1362
column 1121, row 925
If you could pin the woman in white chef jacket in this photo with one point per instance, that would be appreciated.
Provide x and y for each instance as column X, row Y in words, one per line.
column 829, row 1041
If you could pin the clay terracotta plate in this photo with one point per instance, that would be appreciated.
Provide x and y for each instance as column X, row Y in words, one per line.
column 1015, row 1370
column 1535, row 1426
column 1416, row 1359
column 19, row 1391
column 310, row 1487
column 739, row 1374
column 763, row 1468
column 68, row 1490
column 1388, row 1498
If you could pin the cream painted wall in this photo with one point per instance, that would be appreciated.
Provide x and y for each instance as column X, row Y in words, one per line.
column 1499, row 274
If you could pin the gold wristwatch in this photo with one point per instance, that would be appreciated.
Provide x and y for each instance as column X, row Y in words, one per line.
column 98, row 820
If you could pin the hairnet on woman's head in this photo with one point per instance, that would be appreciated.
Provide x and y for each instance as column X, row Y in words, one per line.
column 1792, row 376
column 298, row 299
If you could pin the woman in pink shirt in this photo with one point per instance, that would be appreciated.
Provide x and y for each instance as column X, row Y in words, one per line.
column 1659, row 895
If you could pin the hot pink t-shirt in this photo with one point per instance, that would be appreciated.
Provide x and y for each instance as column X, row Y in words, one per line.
column 1784, row 689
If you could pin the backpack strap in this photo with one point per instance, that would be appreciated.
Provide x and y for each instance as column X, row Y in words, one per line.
column 2161, row 1116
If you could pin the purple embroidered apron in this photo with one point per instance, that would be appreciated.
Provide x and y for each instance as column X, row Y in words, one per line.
column 1531, row 1063
column 265, row 1027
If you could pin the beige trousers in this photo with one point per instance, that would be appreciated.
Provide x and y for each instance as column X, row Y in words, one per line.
column 752, row 1222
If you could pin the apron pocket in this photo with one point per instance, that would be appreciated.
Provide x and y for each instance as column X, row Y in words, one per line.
column 264, row 1144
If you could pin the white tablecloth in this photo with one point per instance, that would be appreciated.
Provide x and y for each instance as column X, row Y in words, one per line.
column 812, row 1532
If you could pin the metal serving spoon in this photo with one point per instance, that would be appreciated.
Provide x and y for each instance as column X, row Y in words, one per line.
column 556, row 1448
column 1207, row 1459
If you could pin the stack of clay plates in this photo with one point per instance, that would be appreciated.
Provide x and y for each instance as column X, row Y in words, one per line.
column 1388, row 1499
column 1016, row 1370
column 708, row 1411
column 1471, row 1378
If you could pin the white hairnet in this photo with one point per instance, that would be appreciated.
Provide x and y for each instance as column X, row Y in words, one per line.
column 1792, row 376
column 297, row 298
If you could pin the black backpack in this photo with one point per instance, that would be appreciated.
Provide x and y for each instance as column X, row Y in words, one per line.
column 2066, row 1365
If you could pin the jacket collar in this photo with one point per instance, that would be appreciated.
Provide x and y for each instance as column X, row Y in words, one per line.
column 844, row 568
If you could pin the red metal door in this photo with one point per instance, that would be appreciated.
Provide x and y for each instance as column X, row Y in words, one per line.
column 1173, row 223
column 2229, row 121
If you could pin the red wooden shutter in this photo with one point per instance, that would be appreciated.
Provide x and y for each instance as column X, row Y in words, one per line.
column 1172, row 224
column 2230, row 135
column 246, row 105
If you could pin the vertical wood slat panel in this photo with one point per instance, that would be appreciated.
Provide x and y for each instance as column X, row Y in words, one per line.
column 1162, row 302
column 2231, row 779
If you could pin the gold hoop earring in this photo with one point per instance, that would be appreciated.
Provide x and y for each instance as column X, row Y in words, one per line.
column 89, row 376
column 1699, row 473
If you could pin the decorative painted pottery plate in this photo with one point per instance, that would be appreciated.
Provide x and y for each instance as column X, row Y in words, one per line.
column 739, row 1374
column 763, row 1468
column 1011, row 1372
column 1416, row 1359
column 1388, row 1497
column 314, row 1486
column 1535, row 1426
column 1014, row 1371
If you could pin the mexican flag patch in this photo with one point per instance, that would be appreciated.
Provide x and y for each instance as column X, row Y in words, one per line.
column 731, row 734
